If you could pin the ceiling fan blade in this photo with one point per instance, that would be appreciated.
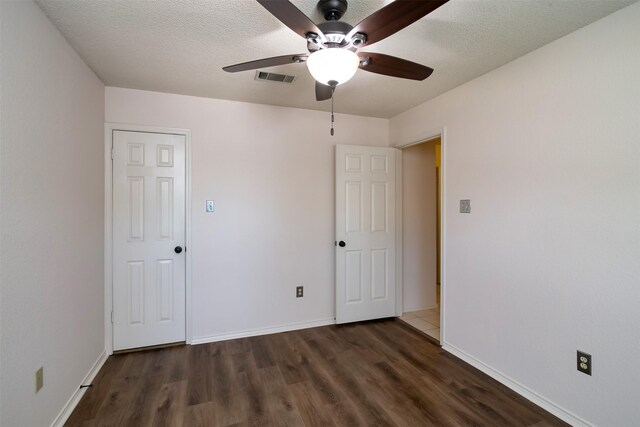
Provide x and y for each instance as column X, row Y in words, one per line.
column 266, row 62
column 291, row 16
column 392, row 18
column 323, row 92
column 388, row 65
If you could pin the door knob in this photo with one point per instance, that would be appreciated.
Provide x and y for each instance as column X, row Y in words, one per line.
column 342, row 244
column 177, row 249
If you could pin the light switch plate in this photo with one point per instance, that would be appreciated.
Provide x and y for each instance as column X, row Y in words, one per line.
column 210, row 206
column 465, row 206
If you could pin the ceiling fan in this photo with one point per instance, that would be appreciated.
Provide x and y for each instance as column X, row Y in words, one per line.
column 333, row 45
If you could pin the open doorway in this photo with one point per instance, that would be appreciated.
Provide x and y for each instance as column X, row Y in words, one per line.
column 421, row 229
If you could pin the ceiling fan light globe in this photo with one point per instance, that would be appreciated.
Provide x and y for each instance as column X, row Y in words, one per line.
column 333, row 64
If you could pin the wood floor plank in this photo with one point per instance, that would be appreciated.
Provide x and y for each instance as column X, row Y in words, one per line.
column 368, row 409
column 380, row 373
column 170, row 405
column 198, row 374
column 117, row 406
column 95, row 396
column 282, row 407
column 200, row 415
column 240, row 345
column 332, row 397
column 261, row 349
column 290, row 362
column 176, row 364
column 473, row 398
column 228, row 408
column 252, row 394
column 410, row 368
column 311, row 408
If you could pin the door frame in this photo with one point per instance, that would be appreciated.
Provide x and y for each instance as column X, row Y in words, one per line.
column 109, row 128
column 425, row 137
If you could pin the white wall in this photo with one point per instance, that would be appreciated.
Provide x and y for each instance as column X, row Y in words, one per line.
column 51, row 193
column 419, row 274
column 270, row 172
column 548, row 261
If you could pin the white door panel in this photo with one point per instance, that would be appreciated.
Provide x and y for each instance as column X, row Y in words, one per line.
column 148, row 224
column 365, row 222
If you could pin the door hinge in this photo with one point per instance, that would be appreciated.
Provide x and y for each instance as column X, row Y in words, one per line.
column 111, row 153
column 112, row 317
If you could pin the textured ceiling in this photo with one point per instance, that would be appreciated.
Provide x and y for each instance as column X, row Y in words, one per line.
column 180, row 46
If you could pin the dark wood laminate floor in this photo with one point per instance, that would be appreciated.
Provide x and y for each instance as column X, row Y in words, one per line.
column 380, row 373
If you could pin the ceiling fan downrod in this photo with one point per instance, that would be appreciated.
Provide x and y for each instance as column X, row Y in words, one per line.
column 332, row 10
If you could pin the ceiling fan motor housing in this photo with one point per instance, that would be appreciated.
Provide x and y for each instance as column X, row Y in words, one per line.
column 334, row 32
column 332, row 10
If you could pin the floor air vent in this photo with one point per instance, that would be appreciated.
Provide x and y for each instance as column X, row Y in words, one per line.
column 274, row 77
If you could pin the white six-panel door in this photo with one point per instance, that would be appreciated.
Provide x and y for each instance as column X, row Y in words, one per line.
column 148, row 225
column 365, row 224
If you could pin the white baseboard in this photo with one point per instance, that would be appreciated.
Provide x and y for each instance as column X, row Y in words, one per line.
column 264, row 331
column 525, row 392
column 63, row 416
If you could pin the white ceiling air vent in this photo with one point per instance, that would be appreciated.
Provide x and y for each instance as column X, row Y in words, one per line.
column 274, row 77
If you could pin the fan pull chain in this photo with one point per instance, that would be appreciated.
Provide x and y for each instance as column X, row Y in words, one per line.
column 332, row 85
column 332, row 118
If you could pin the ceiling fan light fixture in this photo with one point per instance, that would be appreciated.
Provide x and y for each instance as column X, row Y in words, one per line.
column 333, row 65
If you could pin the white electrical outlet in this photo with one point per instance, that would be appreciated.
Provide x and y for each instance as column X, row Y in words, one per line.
column 210, row 206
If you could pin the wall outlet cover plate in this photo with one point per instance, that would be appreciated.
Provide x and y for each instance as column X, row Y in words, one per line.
column 465, row 206
column 584, row 362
